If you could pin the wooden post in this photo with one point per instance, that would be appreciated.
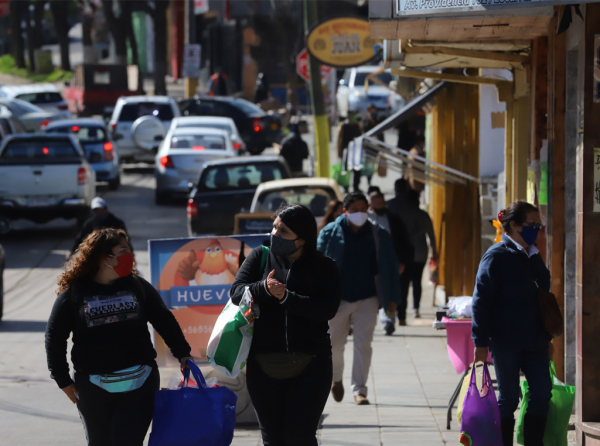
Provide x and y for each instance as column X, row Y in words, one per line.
column 521, row 136
column 588, row 246
column 505, row 94
column 556, row 158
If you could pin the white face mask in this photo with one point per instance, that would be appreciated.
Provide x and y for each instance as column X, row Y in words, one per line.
column 357, row 218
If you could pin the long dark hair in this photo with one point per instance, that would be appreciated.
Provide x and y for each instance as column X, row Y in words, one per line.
column 302, row 221
column 516, row 212
column 328, row 217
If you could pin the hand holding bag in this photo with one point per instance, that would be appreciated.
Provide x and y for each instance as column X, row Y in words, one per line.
column 480, row 413
column 193, row 416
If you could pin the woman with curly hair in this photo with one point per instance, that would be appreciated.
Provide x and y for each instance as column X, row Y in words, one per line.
column 106, row 306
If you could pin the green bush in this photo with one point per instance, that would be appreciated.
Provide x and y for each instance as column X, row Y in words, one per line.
column 7, row 66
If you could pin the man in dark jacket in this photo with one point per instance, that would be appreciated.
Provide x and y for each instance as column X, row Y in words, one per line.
column 294, row 149
column 379, row 214
column 101, row 219
column 347, row 131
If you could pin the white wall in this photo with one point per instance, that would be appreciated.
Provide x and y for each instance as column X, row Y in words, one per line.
column 491, row 141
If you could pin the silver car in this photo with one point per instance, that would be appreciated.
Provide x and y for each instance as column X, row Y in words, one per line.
column 45, row 96
column 182, row 155
column 215, row 122
column 31, row 117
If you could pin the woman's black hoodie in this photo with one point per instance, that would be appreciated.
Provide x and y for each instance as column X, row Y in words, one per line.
column 110, row 328
column 300, row 323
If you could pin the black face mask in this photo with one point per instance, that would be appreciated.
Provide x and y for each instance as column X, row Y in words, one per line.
column 381, row 211
column 283, row 247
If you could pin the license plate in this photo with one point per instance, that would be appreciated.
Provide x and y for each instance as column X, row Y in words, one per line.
column 37, row 202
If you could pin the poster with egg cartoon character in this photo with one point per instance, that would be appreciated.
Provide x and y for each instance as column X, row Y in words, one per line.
column 194, row 277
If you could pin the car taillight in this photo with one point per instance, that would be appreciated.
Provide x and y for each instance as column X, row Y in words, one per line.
column 81, row 176
column 63, row 107
column 192, row 209
column 257, row 124
column 166, row 161
column 237, row 146
column 44, row 123
column 109, row 154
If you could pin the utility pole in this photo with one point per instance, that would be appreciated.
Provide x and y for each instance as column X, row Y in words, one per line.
column 311, row 18
column 190, row 83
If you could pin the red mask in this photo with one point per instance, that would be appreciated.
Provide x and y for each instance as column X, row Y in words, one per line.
column 123, row 269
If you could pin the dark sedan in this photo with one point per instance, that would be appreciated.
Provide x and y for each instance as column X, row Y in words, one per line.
column 258, row 129
column 226, row 188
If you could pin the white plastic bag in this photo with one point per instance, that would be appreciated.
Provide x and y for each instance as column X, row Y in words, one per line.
column 230, row 341
column 460, row 307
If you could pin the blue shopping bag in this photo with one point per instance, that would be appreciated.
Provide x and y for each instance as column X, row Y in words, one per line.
column 190, row 417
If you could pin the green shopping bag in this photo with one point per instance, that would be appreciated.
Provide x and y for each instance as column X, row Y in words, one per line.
column 559, row 414
column 335, row 172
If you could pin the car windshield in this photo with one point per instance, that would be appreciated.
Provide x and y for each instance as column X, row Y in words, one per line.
column 20, row 108
column 39, row 149
column 314, row 198
column 131, row 112
column 91, row 134
column 199, row 142
column 237, row 177
column 385, row 77
column 207, row 125
column 247, row 107
column 40, row 98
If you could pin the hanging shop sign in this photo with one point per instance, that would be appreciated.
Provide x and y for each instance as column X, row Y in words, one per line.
column 342, row 43
column 426, row 8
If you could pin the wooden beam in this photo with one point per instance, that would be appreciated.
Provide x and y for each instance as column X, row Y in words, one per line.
column 455, row 78
column 459, row 52
column 557, row 65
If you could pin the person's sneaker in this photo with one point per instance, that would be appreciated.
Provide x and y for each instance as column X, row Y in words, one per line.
column 361, row 400
column 337, row 391
column 402, row 322
column 416, row 313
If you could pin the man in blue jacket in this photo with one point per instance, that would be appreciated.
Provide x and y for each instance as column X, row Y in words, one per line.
column 365, row 256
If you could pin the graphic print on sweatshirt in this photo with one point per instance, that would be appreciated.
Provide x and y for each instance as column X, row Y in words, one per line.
column 102, row 310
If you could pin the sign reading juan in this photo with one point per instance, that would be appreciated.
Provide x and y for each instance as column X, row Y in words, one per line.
column 342, row 43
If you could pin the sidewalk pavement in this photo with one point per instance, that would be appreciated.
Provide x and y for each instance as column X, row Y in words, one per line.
column 410, row 384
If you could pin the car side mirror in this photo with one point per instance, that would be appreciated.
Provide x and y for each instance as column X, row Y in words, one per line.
column 4, row 225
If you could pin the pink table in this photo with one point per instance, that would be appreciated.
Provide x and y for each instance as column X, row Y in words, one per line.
column 460, row 345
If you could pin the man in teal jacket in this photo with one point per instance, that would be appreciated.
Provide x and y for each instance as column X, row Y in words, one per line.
column 365, row 256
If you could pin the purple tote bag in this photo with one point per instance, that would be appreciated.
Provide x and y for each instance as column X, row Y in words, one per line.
column 480, row 414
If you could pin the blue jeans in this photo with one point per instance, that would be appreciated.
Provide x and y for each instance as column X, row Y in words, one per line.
column 535, row 365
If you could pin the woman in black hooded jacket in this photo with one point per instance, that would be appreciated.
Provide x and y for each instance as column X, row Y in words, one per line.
column 289, row 367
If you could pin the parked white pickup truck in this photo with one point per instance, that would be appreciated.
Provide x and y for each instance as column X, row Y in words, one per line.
column 43, row 177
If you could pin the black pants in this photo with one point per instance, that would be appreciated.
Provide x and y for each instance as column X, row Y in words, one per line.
column 289, row 410
column 116, row 419
column 413, row 273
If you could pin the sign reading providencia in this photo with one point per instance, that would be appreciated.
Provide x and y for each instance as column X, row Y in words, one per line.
column 460, row 7
column 342, row 43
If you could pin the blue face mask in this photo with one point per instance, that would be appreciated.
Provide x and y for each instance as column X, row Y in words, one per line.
column 529, row 234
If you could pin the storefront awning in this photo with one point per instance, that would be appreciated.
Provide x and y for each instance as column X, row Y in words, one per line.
column 406, row 112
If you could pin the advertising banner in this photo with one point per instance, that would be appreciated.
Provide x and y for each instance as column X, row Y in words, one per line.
column 342, row 43
column 194, row 276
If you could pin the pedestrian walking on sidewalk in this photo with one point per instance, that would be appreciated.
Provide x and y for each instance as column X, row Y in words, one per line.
column 335, row 208
column 379, row 214
column 508, row 321
column 102, row 218
column 365, row 256
column 420, row 228
column 347, row 132
column 289, row 366
column 294, row 149
column 107, row 307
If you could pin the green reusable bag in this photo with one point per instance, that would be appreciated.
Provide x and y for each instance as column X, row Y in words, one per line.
column 335, row 172
column 559, row 413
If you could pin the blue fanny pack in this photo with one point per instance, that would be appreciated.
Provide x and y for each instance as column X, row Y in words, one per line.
column 124, row 380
